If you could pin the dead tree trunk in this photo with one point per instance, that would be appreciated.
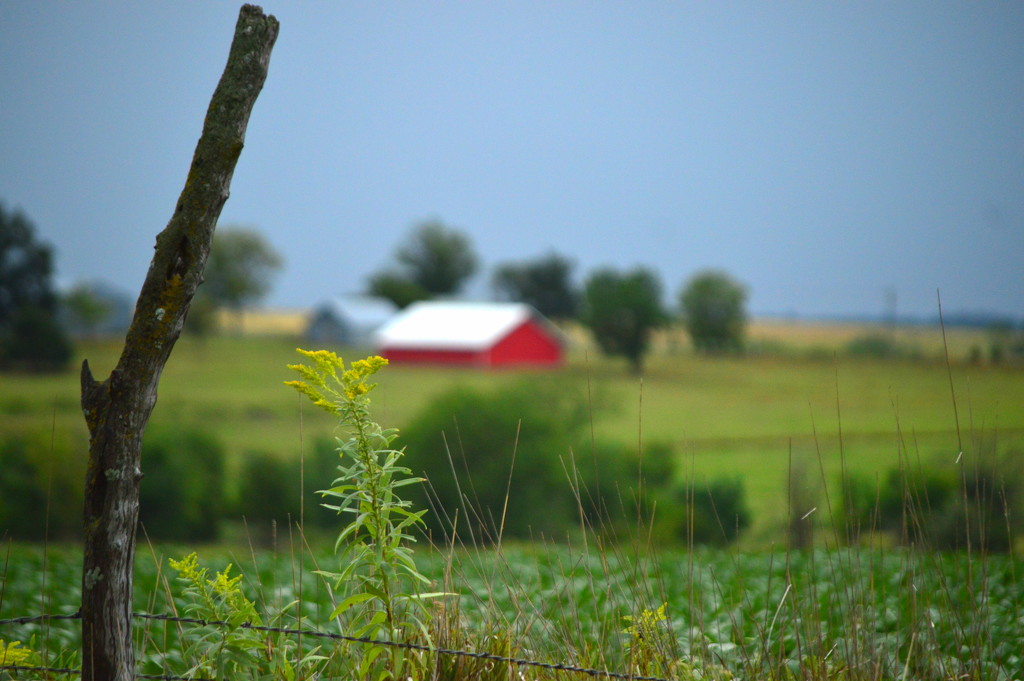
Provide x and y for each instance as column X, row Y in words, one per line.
column 117, row 409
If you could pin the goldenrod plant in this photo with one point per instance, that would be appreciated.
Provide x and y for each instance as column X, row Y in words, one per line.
column 377, row 570
column 31, row 660
column 233, row 648
column 648, row 639
column 17, row 655
column 652, row 650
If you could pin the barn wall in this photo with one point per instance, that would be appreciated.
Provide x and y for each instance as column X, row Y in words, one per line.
column 527, row 344
column 432, row 356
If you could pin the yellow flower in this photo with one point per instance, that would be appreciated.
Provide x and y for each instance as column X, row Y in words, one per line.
column 370, row 365
column 225, row 585
column 188, row 567
column 351, row 385
column 647, row 623
column 13, row 654
column 309, row 374
column 313, row 394
column 326, row 361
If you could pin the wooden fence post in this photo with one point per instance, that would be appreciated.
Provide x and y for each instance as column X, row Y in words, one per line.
column 118, row 408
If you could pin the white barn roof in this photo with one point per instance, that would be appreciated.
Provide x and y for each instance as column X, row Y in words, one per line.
column 454, row 325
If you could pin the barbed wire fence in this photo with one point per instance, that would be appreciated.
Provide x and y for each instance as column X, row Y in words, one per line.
column 419, row 647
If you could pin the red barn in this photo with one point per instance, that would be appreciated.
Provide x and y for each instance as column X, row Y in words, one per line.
column 472, row 334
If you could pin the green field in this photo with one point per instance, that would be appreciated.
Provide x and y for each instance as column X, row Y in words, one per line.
column 824, row 615
column 756, row 611
column 747, row 417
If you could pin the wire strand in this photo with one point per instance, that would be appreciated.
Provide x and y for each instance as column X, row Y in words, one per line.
column 519, row 662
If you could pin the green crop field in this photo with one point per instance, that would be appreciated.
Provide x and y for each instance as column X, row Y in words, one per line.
column 853, row 614
column 751, row 417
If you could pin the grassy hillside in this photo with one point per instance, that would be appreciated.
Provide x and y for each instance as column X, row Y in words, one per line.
column 723, row 416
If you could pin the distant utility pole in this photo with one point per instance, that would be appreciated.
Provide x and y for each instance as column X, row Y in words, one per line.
column 118, row 408
column 891, row 300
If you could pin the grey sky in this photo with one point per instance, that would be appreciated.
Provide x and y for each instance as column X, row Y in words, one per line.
column 820, row 152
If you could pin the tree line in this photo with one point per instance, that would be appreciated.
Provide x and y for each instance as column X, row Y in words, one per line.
column 622, row 309
column 37, row 322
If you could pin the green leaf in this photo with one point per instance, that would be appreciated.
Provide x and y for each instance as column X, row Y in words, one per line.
column 431, row 594
column 408, row 481
column 375, row 590
column 355, row 599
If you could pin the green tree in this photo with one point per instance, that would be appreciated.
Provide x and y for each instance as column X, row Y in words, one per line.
column 438, row 258
column 434, row 261
column 396, row 288
column 30, row 336
column 544, row 283
column 714, row 311
column 240, row 268
column 86, row 309
column 202, row 316
column 36, row 341
column 622, row 310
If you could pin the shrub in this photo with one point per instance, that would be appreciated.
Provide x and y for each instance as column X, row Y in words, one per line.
column 715, row 512
column 525, row 465
column 22, row 492
column 41, row 491
column 880, row 346
column 181, row 495
column 941, row 505
column 859, row 508
column 904, row 503
column 514, row 442
column 621, row 492
column 984, row 506
column 268, row 488
column 268, row 492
